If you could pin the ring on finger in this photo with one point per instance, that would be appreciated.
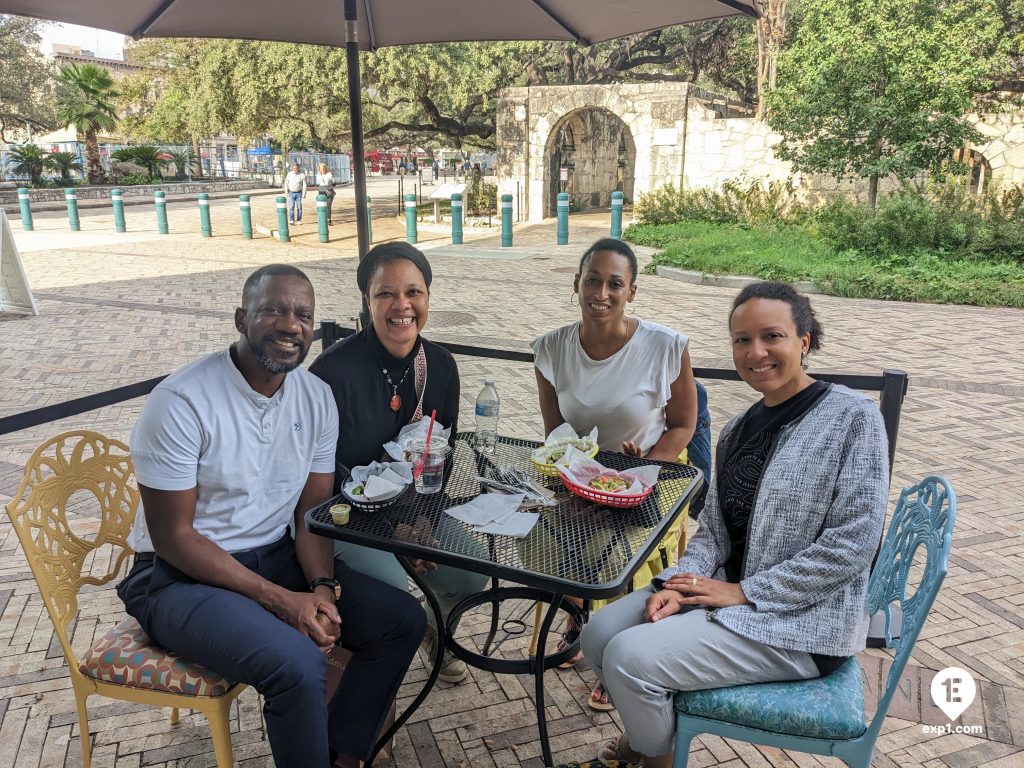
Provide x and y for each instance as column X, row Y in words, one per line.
column 693, row 582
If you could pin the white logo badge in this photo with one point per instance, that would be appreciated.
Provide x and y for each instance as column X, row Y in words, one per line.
column 953, row 690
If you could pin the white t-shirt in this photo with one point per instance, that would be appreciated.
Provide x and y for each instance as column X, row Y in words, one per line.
column 249, row 456
column 623, row 396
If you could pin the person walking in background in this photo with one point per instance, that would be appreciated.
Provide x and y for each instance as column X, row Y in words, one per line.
column 325, row 186
column 437, row 170
column 295, row 188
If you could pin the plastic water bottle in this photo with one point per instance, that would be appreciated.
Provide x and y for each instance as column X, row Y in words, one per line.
column 487, row 404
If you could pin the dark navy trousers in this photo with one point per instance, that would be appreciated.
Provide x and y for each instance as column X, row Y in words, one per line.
column 236, row 637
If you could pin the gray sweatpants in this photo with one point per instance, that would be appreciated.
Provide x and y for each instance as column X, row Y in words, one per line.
column 642, row 664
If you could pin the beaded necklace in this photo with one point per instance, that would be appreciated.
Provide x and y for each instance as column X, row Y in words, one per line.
column 396, row 400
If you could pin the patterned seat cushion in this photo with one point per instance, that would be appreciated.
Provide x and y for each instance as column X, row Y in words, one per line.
column 126, row 656
column 830, row 707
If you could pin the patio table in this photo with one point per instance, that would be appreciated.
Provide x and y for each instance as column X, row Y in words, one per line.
column 577, row 548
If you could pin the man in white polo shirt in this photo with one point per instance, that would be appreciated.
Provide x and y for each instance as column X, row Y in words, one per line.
column 228, row 451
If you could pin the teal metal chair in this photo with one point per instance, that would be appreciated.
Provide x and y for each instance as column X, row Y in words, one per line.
column 825, row 716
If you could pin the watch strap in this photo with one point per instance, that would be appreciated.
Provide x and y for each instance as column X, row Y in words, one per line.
column 327, row 581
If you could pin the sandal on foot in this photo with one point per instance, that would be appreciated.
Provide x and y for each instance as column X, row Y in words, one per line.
column 600, row 700
column 618, row 749
column 569, row 637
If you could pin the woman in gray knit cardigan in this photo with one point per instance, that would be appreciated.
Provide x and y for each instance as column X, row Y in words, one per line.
column 772, row 586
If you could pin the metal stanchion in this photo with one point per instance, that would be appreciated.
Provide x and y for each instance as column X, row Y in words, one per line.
column 321, row 219
column 617, row 215
column 282, row 219
column 117, row 200
column 204, row 215
column 457, row 218
column 563, row 218
column 369, row 222
column 160, row 200
column 72, row 200
column 410, row 218
column 506, row 221
column 246, row 210
column 25, row 203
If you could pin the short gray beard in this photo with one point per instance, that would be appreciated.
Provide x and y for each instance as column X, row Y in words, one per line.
column 269, row 364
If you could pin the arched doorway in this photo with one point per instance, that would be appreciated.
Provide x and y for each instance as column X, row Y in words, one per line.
column 589, row 154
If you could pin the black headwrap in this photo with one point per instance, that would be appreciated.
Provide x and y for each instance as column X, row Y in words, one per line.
column 386, row 252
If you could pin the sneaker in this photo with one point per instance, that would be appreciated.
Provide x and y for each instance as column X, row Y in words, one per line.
column 453, row 669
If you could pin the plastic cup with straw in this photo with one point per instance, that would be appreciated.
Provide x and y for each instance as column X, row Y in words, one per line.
column 428, row 471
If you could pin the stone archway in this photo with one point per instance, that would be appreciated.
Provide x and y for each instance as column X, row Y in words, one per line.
column 589, row 153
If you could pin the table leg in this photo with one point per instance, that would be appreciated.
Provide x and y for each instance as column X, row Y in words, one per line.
column 538, row 677
column 495, row 608
column 442, row 644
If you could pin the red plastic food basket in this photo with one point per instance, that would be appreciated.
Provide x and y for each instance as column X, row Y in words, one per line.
column 620, row 500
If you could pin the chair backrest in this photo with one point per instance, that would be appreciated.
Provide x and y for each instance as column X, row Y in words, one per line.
column 924, row 517
column 64, row 469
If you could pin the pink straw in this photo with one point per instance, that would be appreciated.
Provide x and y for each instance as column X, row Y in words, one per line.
column 418, row 469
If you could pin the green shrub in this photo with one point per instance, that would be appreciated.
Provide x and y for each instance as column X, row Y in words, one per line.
column 950, row 221
column 133, row 179
column 750, row 203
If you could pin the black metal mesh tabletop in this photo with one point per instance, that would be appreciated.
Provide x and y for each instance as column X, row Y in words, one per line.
column 579, row 547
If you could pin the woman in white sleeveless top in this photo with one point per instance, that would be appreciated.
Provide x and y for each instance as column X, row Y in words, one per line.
column 628, row 377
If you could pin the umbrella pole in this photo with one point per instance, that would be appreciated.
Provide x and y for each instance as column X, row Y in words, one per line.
column 356, row 113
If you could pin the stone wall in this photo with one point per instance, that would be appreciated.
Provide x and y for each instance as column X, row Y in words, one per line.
column 677, row 134
column 1002, row 144
column 9, row 195
column 528, row 121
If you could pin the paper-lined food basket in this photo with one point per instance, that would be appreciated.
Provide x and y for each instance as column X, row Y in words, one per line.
column 590, row 480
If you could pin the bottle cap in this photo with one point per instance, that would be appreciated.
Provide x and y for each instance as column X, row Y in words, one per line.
column 489, row 381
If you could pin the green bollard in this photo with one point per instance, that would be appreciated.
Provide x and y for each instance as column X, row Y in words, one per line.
column 117, row 200
column 161, row 211
column 282, row 219
column 506, row 221
column 321, row 218
column 204, row 215
column 410, row 218
column 25, row 202
column 617, row 215
column 243, row 205
column 563, row 218
column 457, row 218
column 369, row 223
column 72, row 199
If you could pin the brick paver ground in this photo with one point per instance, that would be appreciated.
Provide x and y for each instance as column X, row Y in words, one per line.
column 116, row 309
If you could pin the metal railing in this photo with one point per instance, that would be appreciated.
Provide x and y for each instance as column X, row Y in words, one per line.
column 891, row 386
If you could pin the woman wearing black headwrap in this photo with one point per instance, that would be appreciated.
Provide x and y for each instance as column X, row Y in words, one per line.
column 383, row 378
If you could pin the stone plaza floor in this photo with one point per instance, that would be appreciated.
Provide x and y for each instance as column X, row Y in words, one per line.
column 116, row 309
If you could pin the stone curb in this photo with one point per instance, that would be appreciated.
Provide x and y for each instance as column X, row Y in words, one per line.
column 723, row 281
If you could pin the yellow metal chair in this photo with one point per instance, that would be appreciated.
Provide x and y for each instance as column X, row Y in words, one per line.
column 123, row 664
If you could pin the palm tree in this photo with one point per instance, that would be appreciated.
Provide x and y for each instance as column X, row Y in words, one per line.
column 30, row 160
column 181, row 161
column 151, row 158
column 65, row 163
column 85, row 101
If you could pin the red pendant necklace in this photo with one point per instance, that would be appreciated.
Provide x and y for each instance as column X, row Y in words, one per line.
column 396, row 400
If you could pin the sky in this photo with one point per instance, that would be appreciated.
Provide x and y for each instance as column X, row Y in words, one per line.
column 104, row 44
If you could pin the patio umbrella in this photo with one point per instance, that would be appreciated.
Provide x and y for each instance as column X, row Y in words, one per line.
column 371, row 24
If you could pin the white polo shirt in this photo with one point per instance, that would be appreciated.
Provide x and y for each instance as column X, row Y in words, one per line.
column 249, row 456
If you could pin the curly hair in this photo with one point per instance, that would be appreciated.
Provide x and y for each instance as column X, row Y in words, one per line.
column 799, row 305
